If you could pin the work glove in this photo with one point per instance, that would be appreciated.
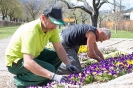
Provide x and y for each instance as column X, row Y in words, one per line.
column 59, row 78
column 72, row 68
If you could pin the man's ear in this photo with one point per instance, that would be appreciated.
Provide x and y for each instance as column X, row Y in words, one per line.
column 44, row 17
column 101, row 32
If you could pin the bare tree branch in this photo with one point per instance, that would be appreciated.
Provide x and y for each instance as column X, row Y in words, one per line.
column 84, row 5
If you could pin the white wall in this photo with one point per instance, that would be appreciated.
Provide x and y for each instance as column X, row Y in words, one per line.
column 0, row 17
column 131, row 15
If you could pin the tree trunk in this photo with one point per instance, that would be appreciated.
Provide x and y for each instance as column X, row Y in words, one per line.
column 115, row 27
column 3, row 18
column 94, row 19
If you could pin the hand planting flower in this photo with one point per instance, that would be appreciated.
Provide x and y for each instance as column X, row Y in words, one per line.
column 59, row 78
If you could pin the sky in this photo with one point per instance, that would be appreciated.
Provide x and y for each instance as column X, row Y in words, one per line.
column 127, row 3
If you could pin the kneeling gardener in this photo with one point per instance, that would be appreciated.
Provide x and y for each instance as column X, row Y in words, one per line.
column 26, row 55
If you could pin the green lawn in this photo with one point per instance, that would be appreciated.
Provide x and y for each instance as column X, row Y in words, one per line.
column 8, row 31
column 122, row 34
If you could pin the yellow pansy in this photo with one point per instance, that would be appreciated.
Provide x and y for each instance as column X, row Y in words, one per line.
column 130, row 61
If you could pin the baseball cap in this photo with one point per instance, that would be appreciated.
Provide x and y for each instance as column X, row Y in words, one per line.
column 54, row 13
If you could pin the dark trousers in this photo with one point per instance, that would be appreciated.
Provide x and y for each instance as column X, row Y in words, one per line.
column 72, row 53
column 48, row 59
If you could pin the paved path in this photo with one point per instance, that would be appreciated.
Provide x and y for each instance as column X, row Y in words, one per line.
column 3, row 45
column 118, row 43
column 5, row 76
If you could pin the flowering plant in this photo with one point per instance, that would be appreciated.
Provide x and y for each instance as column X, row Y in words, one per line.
column 102, row 71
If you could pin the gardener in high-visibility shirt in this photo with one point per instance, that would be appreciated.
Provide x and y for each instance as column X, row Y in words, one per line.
column 26, row 55
column 82, row 34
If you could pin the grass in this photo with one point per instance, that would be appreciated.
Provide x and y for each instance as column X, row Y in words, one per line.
column 7, row 31
column 122, row 34
column 119, row 34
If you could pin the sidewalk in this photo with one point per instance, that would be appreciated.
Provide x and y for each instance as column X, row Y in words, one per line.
column 5, row 76
column 3, row 45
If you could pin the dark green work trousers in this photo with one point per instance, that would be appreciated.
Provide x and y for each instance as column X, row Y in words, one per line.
column 48, row 59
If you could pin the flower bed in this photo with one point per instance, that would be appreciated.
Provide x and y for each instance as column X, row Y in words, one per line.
column 118, row 64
